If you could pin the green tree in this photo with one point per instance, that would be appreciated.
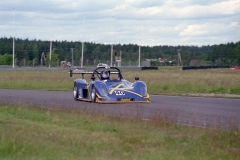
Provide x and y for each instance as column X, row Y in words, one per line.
column 54, row 58
column 34, row 51
column 6, row 59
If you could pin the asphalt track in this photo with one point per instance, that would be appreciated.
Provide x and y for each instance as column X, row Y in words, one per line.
column 197, row 111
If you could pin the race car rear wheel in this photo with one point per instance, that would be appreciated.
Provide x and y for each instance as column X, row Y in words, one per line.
column 75, row 92
column 93, row 94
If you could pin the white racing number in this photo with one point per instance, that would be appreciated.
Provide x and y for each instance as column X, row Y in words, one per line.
column 119, row 93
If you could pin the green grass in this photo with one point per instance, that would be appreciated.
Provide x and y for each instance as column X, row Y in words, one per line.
column 166, row 80
column 27, row 132
column 39, row 80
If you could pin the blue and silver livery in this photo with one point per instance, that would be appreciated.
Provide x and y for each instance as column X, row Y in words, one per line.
column 111, row 89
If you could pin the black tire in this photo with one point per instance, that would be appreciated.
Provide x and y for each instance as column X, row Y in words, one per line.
column 93, row 94
column 75, row 92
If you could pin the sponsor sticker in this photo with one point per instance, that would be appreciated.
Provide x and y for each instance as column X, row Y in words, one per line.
column 125, row 99
column 119, row 93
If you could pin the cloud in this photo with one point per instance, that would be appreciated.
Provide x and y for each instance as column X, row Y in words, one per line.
column 196, row 30
column 210, row 33
column 149, row 22
column 234, row 24
column 207, row 29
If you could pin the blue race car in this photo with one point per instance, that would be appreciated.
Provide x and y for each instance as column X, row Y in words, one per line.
column 108, row 87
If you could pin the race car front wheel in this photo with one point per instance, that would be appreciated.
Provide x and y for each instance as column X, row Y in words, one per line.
column 75, row 92
column 93, row 94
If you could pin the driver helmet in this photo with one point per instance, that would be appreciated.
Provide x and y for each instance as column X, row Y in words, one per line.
column 104, row 74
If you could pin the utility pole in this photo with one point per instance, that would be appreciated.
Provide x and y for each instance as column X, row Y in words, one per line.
column 112, row 41
column 82, row 54
column 72, row 56
column 83, row 41
column 120, row 54
column 50, row 57
column 179, row 58
column 13, row 43
column 111, row 55
column 120, row 58
column 43, row 57
column 139, row 55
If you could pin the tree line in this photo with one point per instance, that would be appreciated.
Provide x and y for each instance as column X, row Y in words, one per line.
column 32, row 51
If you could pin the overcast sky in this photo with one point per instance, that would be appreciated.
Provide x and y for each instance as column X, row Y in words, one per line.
column 144, row 22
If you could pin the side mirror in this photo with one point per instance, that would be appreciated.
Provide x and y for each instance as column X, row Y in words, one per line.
column 70, row 72
column 136, row 78
column 92, row 77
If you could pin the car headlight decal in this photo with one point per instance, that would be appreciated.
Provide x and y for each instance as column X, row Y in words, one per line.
column 143, row 90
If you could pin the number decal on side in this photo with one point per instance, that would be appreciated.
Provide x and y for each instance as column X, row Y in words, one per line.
column 119, row 93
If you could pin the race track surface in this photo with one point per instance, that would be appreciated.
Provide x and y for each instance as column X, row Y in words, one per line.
column 196, row 111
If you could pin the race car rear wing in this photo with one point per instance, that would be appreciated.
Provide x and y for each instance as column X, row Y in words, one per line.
column 80, row 71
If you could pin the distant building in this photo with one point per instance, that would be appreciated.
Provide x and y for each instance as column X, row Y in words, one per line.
column 151, row 60
column 172, row 62
column 162, row 60
column 146, row 63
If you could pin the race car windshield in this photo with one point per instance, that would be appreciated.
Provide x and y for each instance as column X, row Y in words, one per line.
column 123, row 84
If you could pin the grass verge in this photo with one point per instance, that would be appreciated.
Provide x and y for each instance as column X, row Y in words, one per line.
column 163, row 81
column 27, row 132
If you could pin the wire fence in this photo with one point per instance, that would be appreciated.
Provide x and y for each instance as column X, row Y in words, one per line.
column 76, row 63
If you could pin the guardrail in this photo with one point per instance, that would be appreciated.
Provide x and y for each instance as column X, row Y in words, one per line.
column 203, row 67
column 149, row 68
column 9, row 67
